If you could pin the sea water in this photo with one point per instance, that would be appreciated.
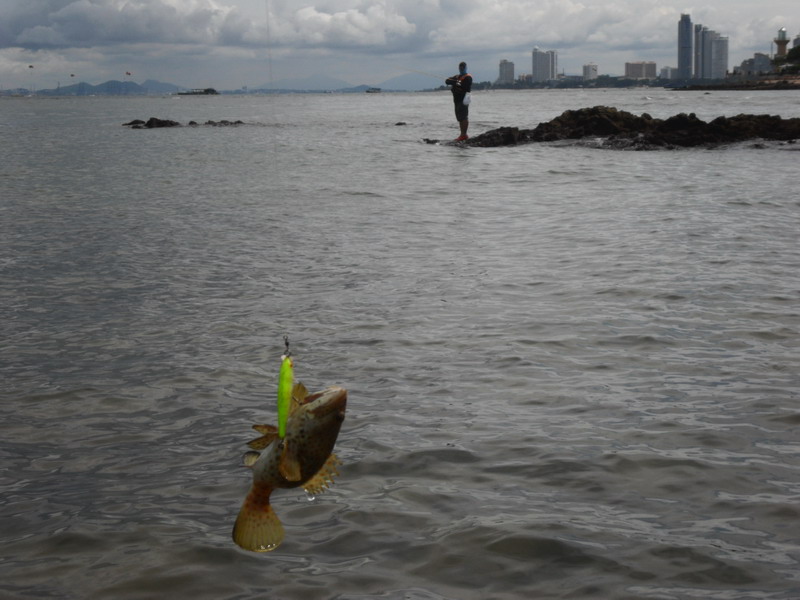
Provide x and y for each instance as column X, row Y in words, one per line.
column 572, row 372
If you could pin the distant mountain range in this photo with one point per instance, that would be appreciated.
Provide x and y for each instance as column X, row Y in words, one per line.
column 112, row 88
column 318, row 83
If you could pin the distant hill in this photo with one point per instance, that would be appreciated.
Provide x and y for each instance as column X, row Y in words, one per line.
column 316, row 83
column 113, row 88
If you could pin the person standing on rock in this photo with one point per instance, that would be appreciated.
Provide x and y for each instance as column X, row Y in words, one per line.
column 461, row 85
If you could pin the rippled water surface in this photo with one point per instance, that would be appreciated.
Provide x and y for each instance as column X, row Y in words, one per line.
column 572, row 373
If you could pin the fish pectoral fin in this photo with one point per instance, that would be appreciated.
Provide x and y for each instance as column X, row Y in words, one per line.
column 289, row 465
column 250, row 458
column 324, row 477
column 265, row 429
column 257, row 527
column 264, row 441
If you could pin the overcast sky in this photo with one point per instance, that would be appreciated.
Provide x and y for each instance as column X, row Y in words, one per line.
column 228, row 44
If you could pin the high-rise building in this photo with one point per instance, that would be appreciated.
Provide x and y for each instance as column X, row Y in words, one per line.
column 589, row 72
column 710, row 54
column 719, row 58
column 506, row 72
column 697, row 71
column 544, row 65
column 643, row 69
column 685, row 47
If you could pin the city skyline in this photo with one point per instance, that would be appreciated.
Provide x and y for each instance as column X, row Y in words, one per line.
column 702, row 54
column 229, row 44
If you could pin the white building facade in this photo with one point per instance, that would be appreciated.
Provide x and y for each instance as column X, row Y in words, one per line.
column 544, row 65
column 506, row 72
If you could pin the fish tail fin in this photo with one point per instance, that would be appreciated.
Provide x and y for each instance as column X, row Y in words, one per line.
column 257, row 527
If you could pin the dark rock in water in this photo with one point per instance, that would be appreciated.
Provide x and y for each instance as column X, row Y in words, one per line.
column 400, row 123
column 618, row 129
column 224, row 123
column 600, row 121
column 503, row 136
column 153, row 123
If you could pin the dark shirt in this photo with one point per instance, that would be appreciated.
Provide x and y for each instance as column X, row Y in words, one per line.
column 461, row 84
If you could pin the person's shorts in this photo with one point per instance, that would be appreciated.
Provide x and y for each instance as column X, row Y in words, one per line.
column 462, row 112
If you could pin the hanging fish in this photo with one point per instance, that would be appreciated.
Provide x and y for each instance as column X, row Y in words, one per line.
column 303, row 457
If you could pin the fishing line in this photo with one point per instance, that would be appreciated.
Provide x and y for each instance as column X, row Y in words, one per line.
column 271, row 125
column 269, row 47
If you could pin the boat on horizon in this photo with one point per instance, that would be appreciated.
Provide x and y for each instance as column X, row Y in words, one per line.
column 199, row 92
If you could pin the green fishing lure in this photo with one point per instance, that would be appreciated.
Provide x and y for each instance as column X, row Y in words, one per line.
column 285, row 385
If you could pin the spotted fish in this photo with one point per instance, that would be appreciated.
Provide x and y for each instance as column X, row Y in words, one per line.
column 302, row 458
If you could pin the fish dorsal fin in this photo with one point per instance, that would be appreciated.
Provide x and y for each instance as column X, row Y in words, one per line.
column 270, row 435
column 250, row 458
column 324, row 477
column 299, row 392
column 265, row 428
column 289, row 465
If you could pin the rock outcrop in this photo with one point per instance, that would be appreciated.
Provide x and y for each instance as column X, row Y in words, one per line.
column 153, row 122
column 608, row 127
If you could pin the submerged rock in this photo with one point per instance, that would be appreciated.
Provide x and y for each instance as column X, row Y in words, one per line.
column 608, row 127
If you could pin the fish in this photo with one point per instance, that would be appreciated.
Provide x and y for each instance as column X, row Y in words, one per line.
column 304, row 457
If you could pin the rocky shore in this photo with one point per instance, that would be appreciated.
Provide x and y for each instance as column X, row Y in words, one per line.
column 607, row 127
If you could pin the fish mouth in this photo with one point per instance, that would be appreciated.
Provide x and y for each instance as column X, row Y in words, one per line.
column 331, row 399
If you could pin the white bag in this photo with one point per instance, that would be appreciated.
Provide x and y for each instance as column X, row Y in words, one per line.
column 467, row 99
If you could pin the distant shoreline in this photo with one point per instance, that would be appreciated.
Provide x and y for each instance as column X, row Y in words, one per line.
column 743, row 86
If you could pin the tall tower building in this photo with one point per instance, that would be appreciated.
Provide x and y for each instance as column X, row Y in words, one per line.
column 506, row 72
column 589, row 72
column 544, row 65
column 710, row 54
column 685, row 47
column 719, row 57
column 781, row 42
column 697, row 71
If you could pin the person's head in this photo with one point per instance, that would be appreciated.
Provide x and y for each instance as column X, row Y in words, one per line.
column 462, row 68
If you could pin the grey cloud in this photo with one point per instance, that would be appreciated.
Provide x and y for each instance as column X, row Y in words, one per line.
column 86, row 23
